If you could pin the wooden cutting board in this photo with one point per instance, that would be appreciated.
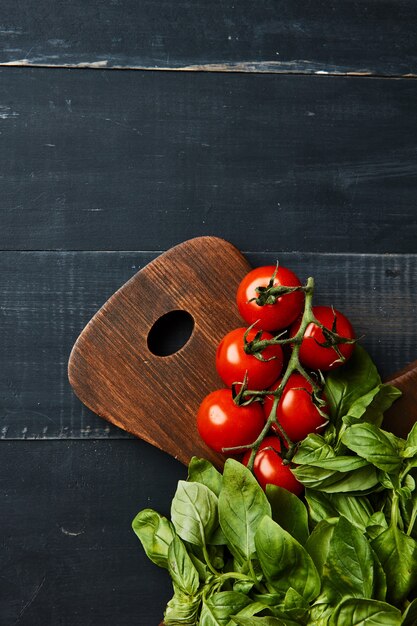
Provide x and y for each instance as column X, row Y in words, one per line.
column 115, row 371
column 112, row 367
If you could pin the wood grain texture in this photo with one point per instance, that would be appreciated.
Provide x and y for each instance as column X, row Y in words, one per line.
column 402, row 416
column 344, row 36
column 100, row 160
column 48, row 298
column 69, row 555
column 115, row 373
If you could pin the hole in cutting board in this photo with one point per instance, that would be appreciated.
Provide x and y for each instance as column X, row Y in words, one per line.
column 170, row 333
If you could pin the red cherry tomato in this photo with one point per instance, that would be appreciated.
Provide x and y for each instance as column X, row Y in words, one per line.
column 223, row 424
column 232, row 362
column 268, row 467
column 271, row 316
column 317, row 357
column 296, row 411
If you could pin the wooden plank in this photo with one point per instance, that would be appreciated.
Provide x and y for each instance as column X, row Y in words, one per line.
column 143, row 160
column 48, row 297
column 343, row 36
column 69, row 555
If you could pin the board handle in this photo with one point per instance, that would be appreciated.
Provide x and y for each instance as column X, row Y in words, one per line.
column 115, row 369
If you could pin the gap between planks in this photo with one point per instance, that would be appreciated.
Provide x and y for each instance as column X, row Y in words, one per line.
column 246, row 67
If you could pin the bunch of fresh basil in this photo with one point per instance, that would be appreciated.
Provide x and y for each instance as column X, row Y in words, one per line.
column 345, row 557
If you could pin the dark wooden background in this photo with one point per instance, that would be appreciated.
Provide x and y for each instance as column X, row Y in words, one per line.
column 127, row 126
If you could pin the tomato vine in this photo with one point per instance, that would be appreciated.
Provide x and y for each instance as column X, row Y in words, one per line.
column 255, row 344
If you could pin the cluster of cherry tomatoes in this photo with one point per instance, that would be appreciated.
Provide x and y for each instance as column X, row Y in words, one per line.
column 228, row 420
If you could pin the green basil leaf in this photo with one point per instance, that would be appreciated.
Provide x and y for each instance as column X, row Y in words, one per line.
column 294, row 600
column 397, row 553
column 204, row 472
column 242, row 505
column 410, row 448
column 249, row 611
column 376, row 524
column 228, row 602
column 319, row 505
column 410, row 614
column 371, row 443
column 320, row 614
column 409, row 452
column 404, row 492
column 182, row 609
column 408, row 513
column 318, row 544
column 203, row 571
column 348, row 569
column 289, row 512
column 268, row 599
column 155, row 533
column 359, row 406
column 183, row 573
column 331, row 481
column 385, row 398
column 284, row 562
column 357, row 509
column 316, row 477
column 398, row 443
column 295, row 606
column 220, row 606
column 341, row 463
column 292, row 616
column 207, row 618
column 361, row 611
column 194, row 512
column 348, row 383
column 390, row 482
column 312, row 449
column 377, row 519
column 372, row 406
column 243, row 586
column 263, row 621
column 412, row 437
column 380, row 580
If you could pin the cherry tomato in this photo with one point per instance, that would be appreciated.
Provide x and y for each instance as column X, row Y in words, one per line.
column 223, row 424
column 296, row 411
column 268, row 467
column 271, row 316
column 232, row 362
column 317, row 357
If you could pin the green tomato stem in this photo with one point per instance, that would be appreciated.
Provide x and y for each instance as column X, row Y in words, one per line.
column 294, row 365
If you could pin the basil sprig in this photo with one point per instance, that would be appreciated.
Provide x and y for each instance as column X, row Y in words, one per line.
column 345, row 555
